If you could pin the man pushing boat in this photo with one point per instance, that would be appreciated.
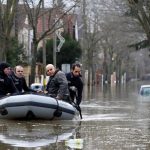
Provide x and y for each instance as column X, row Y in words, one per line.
column 57, row 85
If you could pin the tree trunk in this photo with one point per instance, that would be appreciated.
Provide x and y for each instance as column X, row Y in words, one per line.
column 2, row 51
column 105, row 71
column 33, row 61
column 7, row 15
column 89, row 77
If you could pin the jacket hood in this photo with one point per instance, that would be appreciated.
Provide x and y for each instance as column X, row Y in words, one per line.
column 3, row 66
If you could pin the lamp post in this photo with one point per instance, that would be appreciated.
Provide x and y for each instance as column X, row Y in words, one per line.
column 44, row 47
column 54, row 48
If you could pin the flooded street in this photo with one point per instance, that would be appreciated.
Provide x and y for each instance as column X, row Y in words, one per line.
column 113, row 119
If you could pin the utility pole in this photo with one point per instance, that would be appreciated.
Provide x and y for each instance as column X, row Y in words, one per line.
column 44, row 47
column 54, row 36
column 54, row 48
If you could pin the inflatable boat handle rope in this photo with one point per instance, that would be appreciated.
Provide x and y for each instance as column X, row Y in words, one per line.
column 58, row 111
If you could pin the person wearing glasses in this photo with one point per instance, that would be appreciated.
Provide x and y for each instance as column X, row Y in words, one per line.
column 75, row 83
column 6, row 84
column 19, row 80
column 57, row 85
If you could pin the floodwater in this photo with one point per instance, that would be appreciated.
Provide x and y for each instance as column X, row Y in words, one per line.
column 114, row 118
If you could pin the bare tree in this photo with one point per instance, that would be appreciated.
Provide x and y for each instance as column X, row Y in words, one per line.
column 140, row 9
column 55, row 13
column 7, row 15
column 90, row 38
column 109, row 31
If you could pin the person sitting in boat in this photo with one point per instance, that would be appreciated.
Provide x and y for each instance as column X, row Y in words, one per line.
column 75, row 83
column 6, row 84
column 19, row 80
column 57, row 85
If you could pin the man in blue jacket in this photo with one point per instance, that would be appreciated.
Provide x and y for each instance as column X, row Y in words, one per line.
column 75, row 83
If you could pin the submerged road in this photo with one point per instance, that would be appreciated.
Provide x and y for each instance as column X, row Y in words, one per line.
column 113, row 119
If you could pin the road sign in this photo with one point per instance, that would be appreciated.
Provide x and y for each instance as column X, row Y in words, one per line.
column 62, row 40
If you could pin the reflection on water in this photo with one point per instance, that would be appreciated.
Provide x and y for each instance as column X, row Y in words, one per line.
column 107, row 92
column 113, row 118
column 116, row 118
column 33, row 134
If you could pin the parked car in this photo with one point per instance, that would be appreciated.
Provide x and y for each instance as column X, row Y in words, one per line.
column 144, row 90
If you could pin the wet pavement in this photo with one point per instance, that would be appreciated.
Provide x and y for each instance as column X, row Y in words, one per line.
column 113, row 119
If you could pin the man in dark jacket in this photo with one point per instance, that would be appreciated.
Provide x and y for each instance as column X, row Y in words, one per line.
column 19, row 80
column 6, row 83
column 75, row 83
column 57, row 85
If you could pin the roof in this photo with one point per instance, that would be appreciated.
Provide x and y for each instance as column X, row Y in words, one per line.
column 145, row 86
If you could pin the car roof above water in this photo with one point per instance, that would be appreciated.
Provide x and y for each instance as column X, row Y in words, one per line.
column 145, row 90
column 145, row 86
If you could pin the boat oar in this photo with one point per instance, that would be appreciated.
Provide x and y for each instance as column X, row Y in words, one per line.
column 74, row 89
column 78, row 108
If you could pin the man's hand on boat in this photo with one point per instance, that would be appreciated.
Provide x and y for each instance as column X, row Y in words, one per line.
column 73, row 88
column 8, row 94
column 39, row 91
column 58, row 97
